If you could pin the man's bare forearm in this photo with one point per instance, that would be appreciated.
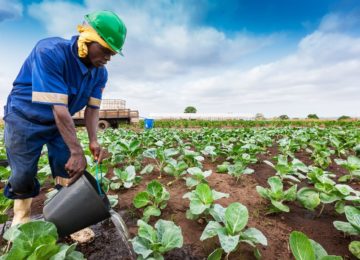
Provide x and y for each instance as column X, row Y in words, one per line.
column 91, row 121
column 66, row 127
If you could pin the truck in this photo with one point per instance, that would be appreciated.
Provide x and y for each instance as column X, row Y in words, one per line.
column 112, row 113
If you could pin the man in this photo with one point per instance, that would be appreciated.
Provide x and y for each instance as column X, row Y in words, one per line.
column 58, row 78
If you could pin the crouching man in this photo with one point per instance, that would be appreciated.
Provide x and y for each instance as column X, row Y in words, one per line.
column 59, row 78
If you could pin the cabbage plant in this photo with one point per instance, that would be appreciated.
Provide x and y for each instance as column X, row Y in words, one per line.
column 327, row 192
column 320, row 153
column 352, row 227
column 304, row 248
column 318, row 175
column 277, row 195
column 354, row 248
column 202, row 200
column 38, row 240
column 288, row 170
column 210, row 151
column 154, row 198
column 196, row 176
column 238, row 169
column 229, row 227
column 352, row 164
column 175, row 169
column 124, row 151
column 160, row 155
column 124, row 178
column 192, row 158
column 152, row 243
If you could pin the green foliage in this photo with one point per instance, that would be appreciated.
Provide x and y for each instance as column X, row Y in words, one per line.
column 277, row 195
column 343, row 118
column 190, row 109
column 326, row 191
column 229, row 226
column 357, row 150
column 288, row 170
column 312, row 116
column 175, row 123
column 4, row 173
column 37, row 240
column 309, row 198
column 222, row 168
column 5, row 205
column 124, row 178
column 259, row 116
column 160, row 155
column 284, row 117
column 238, row 169
column 196, row 177
column 352, row 164
column 352, row 227
column 202, row 200
column 124, row 151
column 210, row 151
column 321, row 153
column 354, row 248
column 154, row 198
column 175, row 169
column 192, row 158
column 113, row 200
column 152, row 243
column 304, row 248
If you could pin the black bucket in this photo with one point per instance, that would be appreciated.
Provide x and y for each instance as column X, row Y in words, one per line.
column 77, row 206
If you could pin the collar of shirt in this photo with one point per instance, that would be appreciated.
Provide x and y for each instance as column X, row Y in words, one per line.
column 74, row 51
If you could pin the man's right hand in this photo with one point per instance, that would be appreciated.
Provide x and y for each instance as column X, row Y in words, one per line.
column 75, row 166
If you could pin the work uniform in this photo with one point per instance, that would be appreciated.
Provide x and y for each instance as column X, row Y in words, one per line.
column 53, row 74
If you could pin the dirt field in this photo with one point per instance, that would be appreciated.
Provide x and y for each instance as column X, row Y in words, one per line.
column 275, row 227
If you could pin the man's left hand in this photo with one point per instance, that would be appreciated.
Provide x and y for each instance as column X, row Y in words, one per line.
column 97, row 151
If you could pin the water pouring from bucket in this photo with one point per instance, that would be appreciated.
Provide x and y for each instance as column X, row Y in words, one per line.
column 81, row 205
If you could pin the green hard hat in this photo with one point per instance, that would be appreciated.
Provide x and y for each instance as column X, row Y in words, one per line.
column 109, row 26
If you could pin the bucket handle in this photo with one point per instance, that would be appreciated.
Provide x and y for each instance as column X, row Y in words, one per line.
column 97, row 169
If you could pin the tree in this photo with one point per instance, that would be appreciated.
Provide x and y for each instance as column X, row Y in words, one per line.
column 284, row 117
column 312, row 116
column 259, row 116
column 344, row 118
column 190, row 109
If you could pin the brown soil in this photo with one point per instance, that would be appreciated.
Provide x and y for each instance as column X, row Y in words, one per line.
column 275, row 227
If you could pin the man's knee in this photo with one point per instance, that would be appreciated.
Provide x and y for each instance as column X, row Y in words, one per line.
column 22, row 188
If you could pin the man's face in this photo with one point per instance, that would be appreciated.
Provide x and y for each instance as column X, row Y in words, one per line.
column 99, row 55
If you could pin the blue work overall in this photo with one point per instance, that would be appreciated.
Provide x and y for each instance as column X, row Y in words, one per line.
column 53, row 74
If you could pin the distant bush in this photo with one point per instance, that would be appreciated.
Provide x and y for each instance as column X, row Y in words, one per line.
column 344, row 118
column 283, row 117
column 190, row 109
column 259, row 116
column 312, row 116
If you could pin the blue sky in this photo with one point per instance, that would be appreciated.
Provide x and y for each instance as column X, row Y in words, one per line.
column 247, row 56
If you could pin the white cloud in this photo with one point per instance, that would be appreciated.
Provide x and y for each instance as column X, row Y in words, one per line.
column 340, row 22
column 161, row 41
column 59, row 17
column 10, row 9
column 171, row 63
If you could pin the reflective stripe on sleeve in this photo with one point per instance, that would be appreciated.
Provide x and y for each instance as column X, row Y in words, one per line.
column 48, row 97
column 94, row 102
